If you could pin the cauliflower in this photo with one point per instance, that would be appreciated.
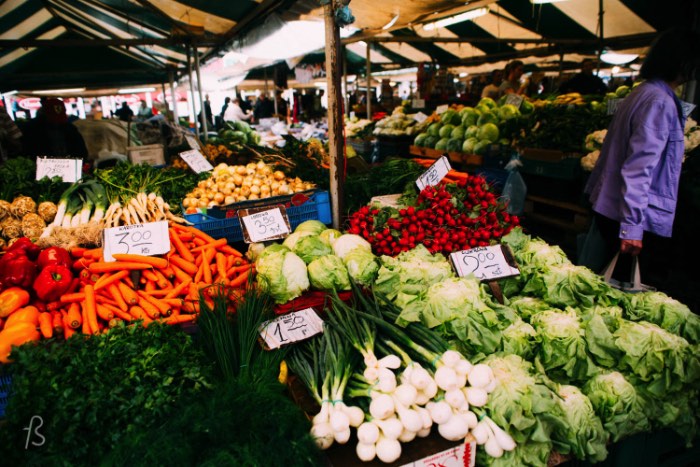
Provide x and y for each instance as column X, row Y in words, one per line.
column 589, row 160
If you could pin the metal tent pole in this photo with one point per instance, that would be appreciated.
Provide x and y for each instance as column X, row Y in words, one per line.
column 173, row 97
column 336, row 145
column 369, row 85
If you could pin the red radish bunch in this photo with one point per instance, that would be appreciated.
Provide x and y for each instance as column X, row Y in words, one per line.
column 447, row 217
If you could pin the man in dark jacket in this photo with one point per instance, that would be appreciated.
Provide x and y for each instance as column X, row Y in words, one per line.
column 50, row 134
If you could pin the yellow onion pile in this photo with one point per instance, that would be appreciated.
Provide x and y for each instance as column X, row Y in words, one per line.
column 234, row 183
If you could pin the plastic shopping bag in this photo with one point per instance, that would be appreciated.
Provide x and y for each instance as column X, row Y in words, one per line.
column 634, row 285
column 514, row 190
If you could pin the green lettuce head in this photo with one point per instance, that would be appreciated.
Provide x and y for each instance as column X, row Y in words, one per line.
column 664, row 311
column 283, row 274
column 330, row 236
column 329, row 273
column 310, row 247
column 618, row 405
column 583, row 434
column 519, row 339
column 313, row 226
column 362, row 266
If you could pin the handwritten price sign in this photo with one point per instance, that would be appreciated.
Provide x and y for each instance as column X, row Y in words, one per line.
column 70, row 170
column 434, row 174
column 463, row 455
column 140, row 239
column 264, row 225
column 486, row 263
column 514, row 99
column 196, row 161
column 291, row 328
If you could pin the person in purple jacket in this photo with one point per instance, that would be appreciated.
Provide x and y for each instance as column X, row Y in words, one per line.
column 634, row 186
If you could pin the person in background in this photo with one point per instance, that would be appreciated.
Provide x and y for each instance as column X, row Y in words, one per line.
column 246, row 106
column 282, row 105
column 145, row 112
column 633, row 188
column 207, row 114
column 220, row 117
column 235, row 113
column 10, row 136
column 585, row 82
column 492, row 89
column 50, row 134
column 264, row 108
column 124, row 113
column 95, row 110
column 514, row 71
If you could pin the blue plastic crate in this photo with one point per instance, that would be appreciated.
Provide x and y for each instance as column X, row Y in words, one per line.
column 317, row 207
column 5, row 385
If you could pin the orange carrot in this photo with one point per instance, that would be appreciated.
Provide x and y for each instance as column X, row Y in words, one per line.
column 238, row 270
column 200, row 273
column 163, row 308
column 103, row 312
column 187, row 266
column 86, row 323
column 150, row 260
column 117, row 276
column 149, row 275
column 102, row 299
column 181, row 275
column 95, row 253
column 168, row 273
column 57, row 322
column 159, row 293
column 150, row 286
column 230, row 251
column 91, row 307
column 82, row 263
column 175, row 303
column 74, row 317
column 206, row 269
column 180, row 247
column 118, row 313
column 67, row 331
column 46, row 325
column 201, row 235
column 179, row 289
column 179, row 319
column 139, row 313
column 149, row 308
column 161, row 281
column 117, row 296
column 128, row 294
column 215, row 244
column 221, row 265
column 241, row 279
column 73, row 297
column 101, row 266
column 77, row 252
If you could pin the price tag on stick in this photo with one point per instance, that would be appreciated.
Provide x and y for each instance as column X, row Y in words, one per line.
column 196, row 161
column 434, row 174
column 420, row 117
column 294, row 327
column 139, row 239
column 441, row 109
column 487, row 263
column 514, row 99
column 263, row 224
column 70, row 170
column 463, row 455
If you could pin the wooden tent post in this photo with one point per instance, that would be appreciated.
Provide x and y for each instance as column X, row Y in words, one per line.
column 346, row 100
column 369, row 85
column 173, row 97
column 336, row 145
column 202, row 110
column 189, row 74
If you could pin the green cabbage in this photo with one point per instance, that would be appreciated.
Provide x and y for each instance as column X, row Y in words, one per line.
column 329, row 273
column 310, row 247
column 670, row 314
column 599, row 324
column 519, row 339
column 411, row 272
column 330, row 235
column 662, row 360
column 273, row 248
column 521, row 403
column 528, row 306
column 291, row 241
column 283, row 274
column 313, row 226
column 562, row 349
column 362, row 266
column 568, row 285
column 617, row 403
column 348, row 242
column 583, row 435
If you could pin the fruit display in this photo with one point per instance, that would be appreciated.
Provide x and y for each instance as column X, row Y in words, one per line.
column 358, row 128
column 396, row 124
column 231, row 184
column 469, row 129
column 236, row 134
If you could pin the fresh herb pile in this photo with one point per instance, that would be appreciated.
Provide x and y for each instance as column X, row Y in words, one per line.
column 91, row 393
column 18, row 177
column 125, row 180
column 562, row 128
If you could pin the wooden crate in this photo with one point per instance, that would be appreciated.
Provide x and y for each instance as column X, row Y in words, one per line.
column 455, row 157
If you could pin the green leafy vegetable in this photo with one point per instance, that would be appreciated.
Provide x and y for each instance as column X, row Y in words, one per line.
column 283, row 274
column 328, row 273
column 664, row 311
column 583, row 435
column 310, row 247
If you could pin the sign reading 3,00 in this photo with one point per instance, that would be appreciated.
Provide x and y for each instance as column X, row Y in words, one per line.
column 140, row 239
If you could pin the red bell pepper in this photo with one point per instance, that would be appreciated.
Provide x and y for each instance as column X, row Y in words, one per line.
column 26, row 246
column 54, row 255
column 53, row 281
column 16, row 269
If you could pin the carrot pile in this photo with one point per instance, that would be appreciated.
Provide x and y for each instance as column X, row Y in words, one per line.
column 452, row 176
column 148, row 288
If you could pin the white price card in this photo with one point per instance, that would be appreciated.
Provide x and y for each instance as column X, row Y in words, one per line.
column 196, row 161
column 269, row 224
column 434, row 174
column 70, row 170
column 441, row 109
column 192, row 142
column 463, row 455
column 420, row 117
column 138, row 239
column 613, row 104
column 294, row 327
column 487, row 263
column 514, row 99
column 418, row 103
